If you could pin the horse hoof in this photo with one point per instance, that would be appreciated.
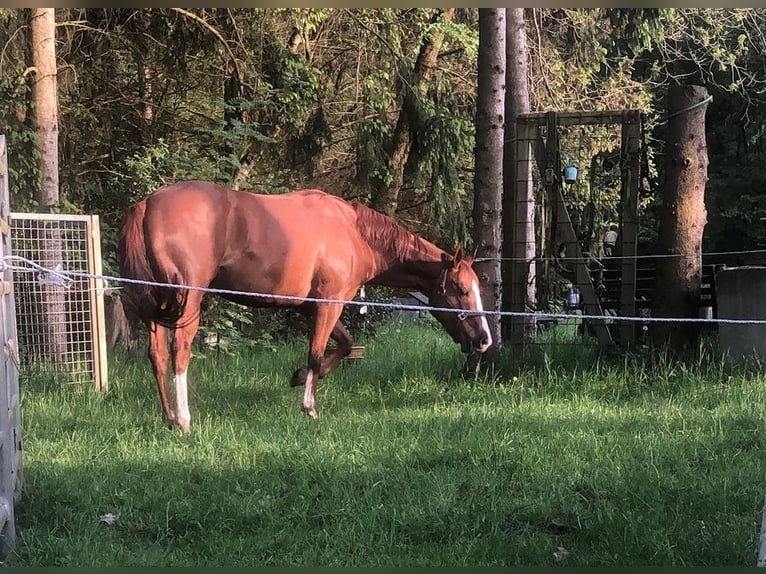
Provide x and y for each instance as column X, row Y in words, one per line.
column 299, row 378
column 312, row 413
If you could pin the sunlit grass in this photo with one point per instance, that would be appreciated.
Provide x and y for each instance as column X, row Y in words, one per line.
column 615, row 461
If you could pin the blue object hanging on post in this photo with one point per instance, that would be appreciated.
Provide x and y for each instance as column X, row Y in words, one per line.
column 573, row 298
column 570, row 173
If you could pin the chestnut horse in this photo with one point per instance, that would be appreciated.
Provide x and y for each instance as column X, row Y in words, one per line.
column 303, row 244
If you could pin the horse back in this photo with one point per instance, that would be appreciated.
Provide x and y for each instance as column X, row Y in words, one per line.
column 302, row 243
column 299, row 244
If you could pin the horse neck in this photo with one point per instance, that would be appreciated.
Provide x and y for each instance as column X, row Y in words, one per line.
column 415, row 265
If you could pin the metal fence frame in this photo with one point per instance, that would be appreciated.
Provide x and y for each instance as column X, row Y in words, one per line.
column 11, row 475
column 90, row 292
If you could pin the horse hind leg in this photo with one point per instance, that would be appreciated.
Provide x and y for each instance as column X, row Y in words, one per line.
column 181, row 351
column 343, row 339
column 158, row 357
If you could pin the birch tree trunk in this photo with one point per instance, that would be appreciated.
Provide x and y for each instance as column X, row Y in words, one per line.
column 146, row 93
column 519, row 246
column 488, row 154
column 44, row 93
column 45, row 121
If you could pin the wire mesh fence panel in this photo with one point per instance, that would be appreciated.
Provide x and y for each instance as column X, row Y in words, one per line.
column 60, row 318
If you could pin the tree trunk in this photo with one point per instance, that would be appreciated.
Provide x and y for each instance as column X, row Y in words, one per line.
column 519, row 247
column 44, row 93
column 385, row 198
column 45, row 118
column 683, row 219
column 119, row 330
column 488, row 153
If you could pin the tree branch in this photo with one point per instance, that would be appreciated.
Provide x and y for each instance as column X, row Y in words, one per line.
column 204, row 23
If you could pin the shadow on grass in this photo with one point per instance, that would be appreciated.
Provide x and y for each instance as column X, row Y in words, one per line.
column 409, row 464
column 443, row 488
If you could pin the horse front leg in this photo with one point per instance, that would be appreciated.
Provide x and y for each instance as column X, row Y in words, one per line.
column 325, row 318
column 343, row 339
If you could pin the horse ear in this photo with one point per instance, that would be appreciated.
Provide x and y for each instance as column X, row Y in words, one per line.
column 458, row 255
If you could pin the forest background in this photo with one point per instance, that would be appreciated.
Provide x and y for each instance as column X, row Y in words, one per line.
column 279, row 99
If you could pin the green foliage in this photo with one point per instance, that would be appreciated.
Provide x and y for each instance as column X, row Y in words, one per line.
column 151, row 168
column 460, row 36
column 148, row 96
column 636, row 30
column 736, row 210
column 234, row 329
column 440, row 153
column 220, row 143
column 587, row 60
column 21, row 144
column 372, row 153
column 714, row 36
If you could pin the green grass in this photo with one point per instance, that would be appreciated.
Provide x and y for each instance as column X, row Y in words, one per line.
column 617, row 462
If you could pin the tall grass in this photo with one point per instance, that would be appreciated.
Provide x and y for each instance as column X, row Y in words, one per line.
column 561, row 457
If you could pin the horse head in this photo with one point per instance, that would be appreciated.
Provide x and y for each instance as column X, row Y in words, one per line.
column 457, row 287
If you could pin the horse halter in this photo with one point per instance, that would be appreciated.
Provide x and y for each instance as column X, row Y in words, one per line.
column 463, row 315
column 443, row 281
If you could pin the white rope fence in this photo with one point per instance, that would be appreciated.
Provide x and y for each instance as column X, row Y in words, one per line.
column 588, row 257
column 63, row 278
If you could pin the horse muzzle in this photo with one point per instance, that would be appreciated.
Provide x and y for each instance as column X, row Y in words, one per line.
column 480, row 344
column 481, row 339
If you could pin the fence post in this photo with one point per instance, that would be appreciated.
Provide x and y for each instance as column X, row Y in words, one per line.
column 761, row 563
column 98, row 321
column 10, row 411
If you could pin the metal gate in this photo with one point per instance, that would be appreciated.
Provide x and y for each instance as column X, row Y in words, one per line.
column 61, row 324
column 10, row 411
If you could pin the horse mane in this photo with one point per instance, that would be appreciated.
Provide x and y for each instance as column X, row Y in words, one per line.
column 384, row 234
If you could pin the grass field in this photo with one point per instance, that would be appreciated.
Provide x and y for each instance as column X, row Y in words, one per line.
column 558, row 458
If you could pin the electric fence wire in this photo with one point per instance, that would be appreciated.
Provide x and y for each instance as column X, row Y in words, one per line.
column 63, row 278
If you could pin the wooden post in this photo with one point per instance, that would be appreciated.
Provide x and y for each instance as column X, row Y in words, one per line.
column 547, row 156
column 631, row 181
column 517, row 270
column 96, row 293
column 762, row 548
column 583, row 281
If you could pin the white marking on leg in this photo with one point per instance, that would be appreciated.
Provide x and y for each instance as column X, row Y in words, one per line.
column 182, row 402
column 308, row 395
column 484, row 323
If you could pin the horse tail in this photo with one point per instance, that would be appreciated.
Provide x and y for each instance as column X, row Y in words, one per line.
column 144, row 301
